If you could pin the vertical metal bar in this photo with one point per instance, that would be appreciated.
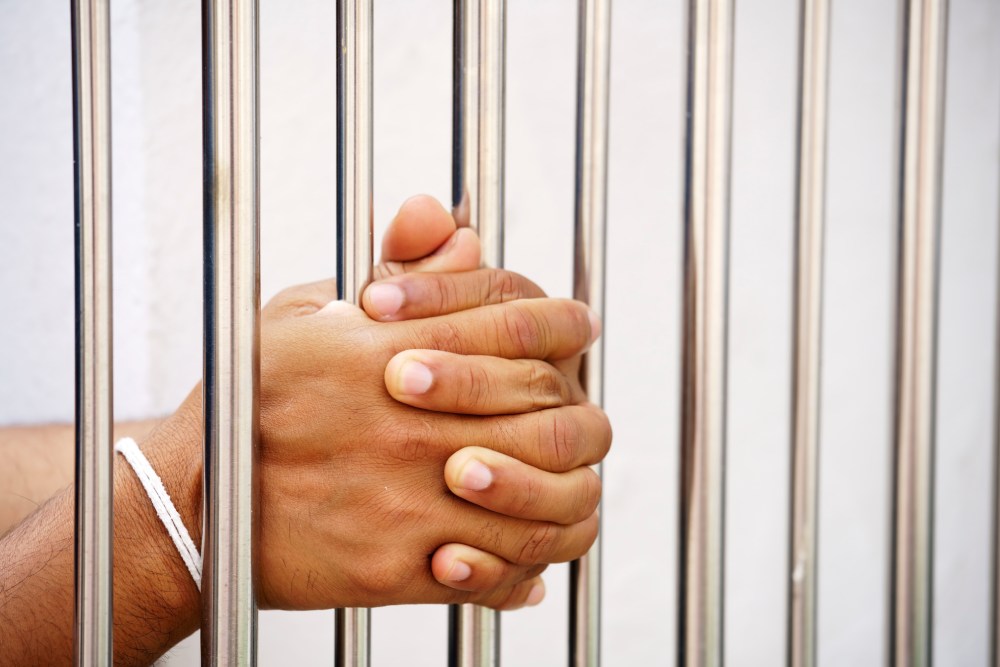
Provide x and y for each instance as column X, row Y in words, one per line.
column 706, row 256
column 355, row 108
column 232, row 329
column 593, row 85
column 814, row 34
column 922, row 85
column 94, row 402
column 355, row 38
column 995, row 546
column 478, row 201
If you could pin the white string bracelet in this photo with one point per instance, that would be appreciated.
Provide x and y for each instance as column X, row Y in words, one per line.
column 165, row 509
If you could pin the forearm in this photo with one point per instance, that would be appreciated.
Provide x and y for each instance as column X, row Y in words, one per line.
column 155, row 601
column 36, row 462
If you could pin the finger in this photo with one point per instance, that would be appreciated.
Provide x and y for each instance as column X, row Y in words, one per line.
column 512, row 488
column 476, row 385
column 424, row 237
column 418, row 295
column 548, row 329
column 466, row 568
column 420, row 227
column 520, row 541
column 557, row 440
column 461, row 252
column 525, row 594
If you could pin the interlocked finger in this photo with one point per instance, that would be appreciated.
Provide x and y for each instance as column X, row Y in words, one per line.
column 477, row 385
column 512, row 488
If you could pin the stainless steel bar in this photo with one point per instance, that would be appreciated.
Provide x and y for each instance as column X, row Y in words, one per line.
column 478, row 122
column 922, row 84
column 355, row 58
column 232, row 329
column 705, row 323
column 995, row 546
column 94, row 401
column 593, row 86
column 478, row 201
column 814, row 36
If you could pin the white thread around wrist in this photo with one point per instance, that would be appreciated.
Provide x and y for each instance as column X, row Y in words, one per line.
column 164, row 507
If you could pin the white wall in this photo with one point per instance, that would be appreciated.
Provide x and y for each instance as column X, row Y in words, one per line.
column 157, row 252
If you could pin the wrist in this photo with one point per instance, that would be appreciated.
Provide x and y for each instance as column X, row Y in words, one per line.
column 145, row 553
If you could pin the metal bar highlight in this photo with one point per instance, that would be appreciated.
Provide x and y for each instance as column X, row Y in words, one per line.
column 478, row 201
column 593, row 86
column 814, row 36
column 995, row 542
column 922, row 86
column 94, row 392
column 705, row 323
column 355, row 58
column 232, row 329
column 995, row 546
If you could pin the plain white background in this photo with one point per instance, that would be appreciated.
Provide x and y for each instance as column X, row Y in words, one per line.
column 157, row 198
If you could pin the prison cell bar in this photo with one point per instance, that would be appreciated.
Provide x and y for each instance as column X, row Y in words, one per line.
column 232, row 329
column 995, row 546
column 478, row 81
column 810, row 200
column 355, row 57
column 592, row 91
column 93, row 523
column 922, row 84
column 703, row 410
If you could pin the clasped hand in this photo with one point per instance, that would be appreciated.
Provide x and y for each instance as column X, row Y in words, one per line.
column 433, row 448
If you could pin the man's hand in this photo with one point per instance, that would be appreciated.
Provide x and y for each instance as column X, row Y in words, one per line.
column 337, row 448
column 436, row 451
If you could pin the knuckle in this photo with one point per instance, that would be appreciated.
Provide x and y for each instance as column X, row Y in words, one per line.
column 446, row 294
column 479, row 391
column 440, row 335
column 529, row 498
column 377, row 577
column 560, row 440
column 604, row 432
column 501, row 286
column 540, row 545
column 590, row 493
column 544, row 386
column 526, row 332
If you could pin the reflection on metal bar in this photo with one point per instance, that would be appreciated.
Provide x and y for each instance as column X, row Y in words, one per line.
column 232, row 330
column 355, row 40
column 995, row 555
column 706, row 250
column 922, row 86
column 593, row 85
column 477, row 201
column 94, row 406
column 810, row 206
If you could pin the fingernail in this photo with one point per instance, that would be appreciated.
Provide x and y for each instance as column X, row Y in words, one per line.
column 386, row 299
column 475, row 476
column 595, row 325
column 535, row 595
column 415, row 378
column 460, row 571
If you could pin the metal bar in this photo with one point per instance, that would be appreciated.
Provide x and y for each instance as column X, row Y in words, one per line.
column 593, row 85
column 478, row 201
column 995, row 546
column 91, row 47
column 706, row 250
column 355, row 57
column 922, row 84
column 814, row 35
column 232, row 329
